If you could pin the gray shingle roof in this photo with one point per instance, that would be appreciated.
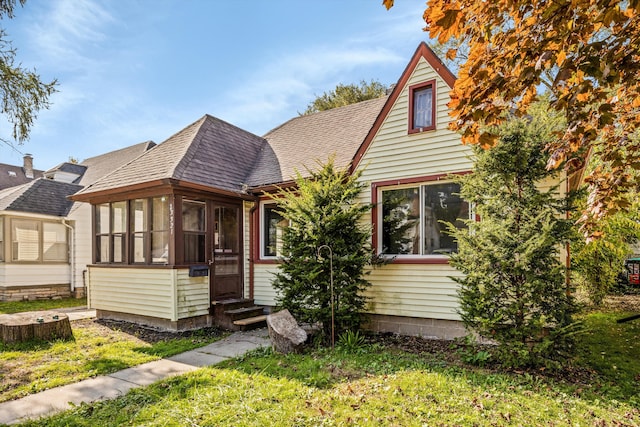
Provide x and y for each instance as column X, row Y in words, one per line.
column 101, row 165
column 41, row 196
column 214, row 153
column 11, row 176
column 304, row 141
column 209, row 152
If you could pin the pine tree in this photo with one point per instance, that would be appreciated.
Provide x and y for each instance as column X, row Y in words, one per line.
column 323, row 210
column 513, row 289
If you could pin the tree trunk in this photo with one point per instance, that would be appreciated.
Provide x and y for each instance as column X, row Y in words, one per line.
column 42, row 325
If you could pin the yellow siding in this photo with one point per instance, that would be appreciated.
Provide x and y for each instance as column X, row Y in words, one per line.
column 414, row 290
column 247, row 245
column 139, row 291
column 193, row 295
column 263, row 292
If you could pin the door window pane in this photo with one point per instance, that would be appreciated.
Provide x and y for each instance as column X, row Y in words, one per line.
column 226, row 230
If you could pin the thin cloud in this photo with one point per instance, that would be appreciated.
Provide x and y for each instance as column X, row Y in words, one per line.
column 281, row 89
column 70, row 31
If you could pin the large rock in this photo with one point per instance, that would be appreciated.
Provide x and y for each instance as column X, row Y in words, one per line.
column 286, row 336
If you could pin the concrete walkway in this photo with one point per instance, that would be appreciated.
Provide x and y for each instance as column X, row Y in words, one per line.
column 119, row 383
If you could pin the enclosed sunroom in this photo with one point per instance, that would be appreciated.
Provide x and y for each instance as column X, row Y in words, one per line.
column 168, row 228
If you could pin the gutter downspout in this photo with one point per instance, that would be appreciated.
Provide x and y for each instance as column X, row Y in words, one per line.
column 252, row 243
column 72, row 255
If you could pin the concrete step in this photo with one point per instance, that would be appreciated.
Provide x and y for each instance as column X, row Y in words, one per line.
column 230, row 304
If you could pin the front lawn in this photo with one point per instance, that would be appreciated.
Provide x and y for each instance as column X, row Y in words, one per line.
column 381, row 384
column 10, row 307
column 97, row 348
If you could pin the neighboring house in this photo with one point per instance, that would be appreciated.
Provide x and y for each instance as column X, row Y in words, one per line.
column 12, row 176
column 45, row 241
column 186, row 226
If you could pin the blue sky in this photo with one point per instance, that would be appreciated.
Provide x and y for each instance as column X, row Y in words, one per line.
column 138, row 70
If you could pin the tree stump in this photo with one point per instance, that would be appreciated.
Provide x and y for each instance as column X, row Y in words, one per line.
column 43, row 325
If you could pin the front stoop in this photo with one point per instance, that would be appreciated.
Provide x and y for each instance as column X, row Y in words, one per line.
column 237, row 314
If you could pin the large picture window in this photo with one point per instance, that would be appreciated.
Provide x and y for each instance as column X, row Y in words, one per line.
column 412, row 218
column 422, row 98
column 38, row 241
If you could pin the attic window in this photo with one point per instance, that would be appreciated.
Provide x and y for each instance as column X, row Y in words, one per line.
column 12, row 173
column 422, row 100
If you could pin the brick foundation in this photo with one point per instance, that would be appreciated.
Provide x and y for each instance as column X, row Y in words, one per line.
column 30, row 293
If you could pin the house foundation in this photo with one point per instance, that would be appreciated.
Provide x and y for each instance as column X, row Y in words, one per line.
column 30, row 293
column 413, row 326
column 189, row 323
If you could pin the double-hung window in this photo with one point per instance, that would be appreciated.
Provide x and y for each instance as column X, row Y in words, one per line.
column 422, row 99
column 412, row 218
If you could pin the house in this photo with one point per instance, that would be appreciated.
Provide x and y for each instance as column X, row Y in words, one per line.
column 186, row 228
column 45, row 242
column 12, row 176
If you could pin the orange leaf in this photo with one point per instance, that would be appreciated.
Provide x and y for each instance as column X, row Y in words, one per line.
column 388, row 4
column 487, row 140
column 561, row 57
column 582, row 97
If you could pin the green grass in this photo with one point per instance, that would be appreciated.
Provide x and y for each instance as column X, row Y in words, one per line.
column 372, row 386
column 9, row 307
column 31, row 367
column 613, row 350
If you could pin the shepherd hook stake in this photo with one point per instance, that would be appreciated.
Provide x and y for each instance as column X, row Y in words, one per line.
column 333, row 338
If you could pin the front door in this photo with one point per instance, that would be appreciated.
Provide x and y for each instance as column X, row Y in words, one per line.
column 226, row 261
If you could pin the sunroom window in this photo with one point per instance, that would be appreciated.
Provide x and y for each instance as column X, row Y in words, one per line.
column 193, row 224
column 413, row 219
column 160, row 223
